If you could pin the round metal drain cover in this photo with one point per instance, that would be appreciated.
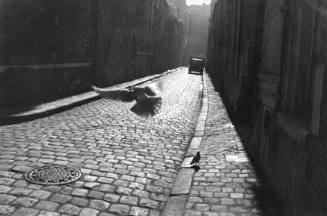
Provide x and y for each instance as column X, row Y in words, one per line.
column 53, row 175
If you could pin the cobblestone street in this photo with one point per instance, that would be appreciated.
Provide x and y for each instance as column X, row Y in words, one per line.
column 128, row 163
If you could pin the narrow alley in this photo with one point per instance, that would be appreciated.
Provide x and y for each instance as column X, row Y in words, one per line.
column 163, row 108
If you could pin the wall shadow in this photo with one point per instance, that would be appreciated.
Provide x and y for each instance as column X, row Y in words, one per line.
column 268, row 203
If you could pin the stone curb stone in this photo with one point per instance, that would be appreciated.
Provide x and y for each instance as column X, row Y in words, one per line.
column 183, row 182
column 204, row 109
column 200, row 125
column 175, row 206
column 195, row 143
column 202, row 117
column 187, row 162
column 191, row 152
column 198, row 133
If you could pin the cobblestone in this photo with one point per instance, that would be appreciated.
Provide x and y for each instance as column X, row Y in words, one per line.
column 107, row 188
column 40, row 194
column 20, row 191
column 96, row 194
column 4, row 189
column 99, row 204
column 105, row 214
column 46, row 213
column 6, row 199
column 149, row 203
column 79, row 192
column 119, row 209
column 47, row 206
column 6, row 181
column 25, row 211
column 137, row 211
column 61, row 198
column 6, row 209
column 124, row 190
column 25, row 201
column 111, row 197
column 89, row 212
column 79, row 201
column 69, row 209
column 129, row 200
column 141, row 193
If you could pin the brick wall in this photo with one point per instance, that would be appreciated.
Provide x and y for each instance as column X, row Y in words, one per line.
column 268, row 60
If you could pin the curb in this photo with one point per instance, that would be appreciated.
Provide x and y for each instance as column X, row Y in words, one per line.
column 178, row 198
column 51, row 108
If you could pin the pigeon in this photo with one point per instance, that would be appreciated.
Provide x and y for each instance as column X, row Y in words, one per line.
column 195, row 162
column 196, row 158
column 148, row 99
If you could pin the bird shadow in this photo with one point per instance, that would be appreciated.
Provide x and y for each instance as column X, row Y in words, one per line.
column 147, row 109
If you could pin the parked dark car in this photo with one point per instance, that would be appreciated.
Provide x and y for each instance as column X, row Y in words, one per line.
column 196, row 65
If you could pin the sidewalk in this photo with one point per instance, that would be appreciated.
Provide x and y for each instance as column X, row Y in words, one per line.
column 14, row 115
column 226, row 184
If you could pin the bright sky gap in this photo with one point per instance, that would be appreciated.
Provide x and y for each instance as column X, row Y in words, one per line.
column 197, row 2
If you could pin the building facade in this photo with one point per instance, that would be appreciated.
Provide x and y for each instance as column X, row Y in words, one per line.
column 197, row 30
column 195, row 20
column 267, row 59
column 51, row 49
column 136, row 38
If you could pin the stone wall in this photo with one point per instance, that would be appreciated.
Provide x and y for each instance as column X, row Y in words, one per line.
column 268, row 60
column 135, row 38
column 234, row 51
column 51, row 49
column 45, row 49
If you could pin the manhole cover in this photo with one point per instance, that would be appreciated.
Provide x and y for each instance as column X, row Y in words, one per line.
column 53, row 175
